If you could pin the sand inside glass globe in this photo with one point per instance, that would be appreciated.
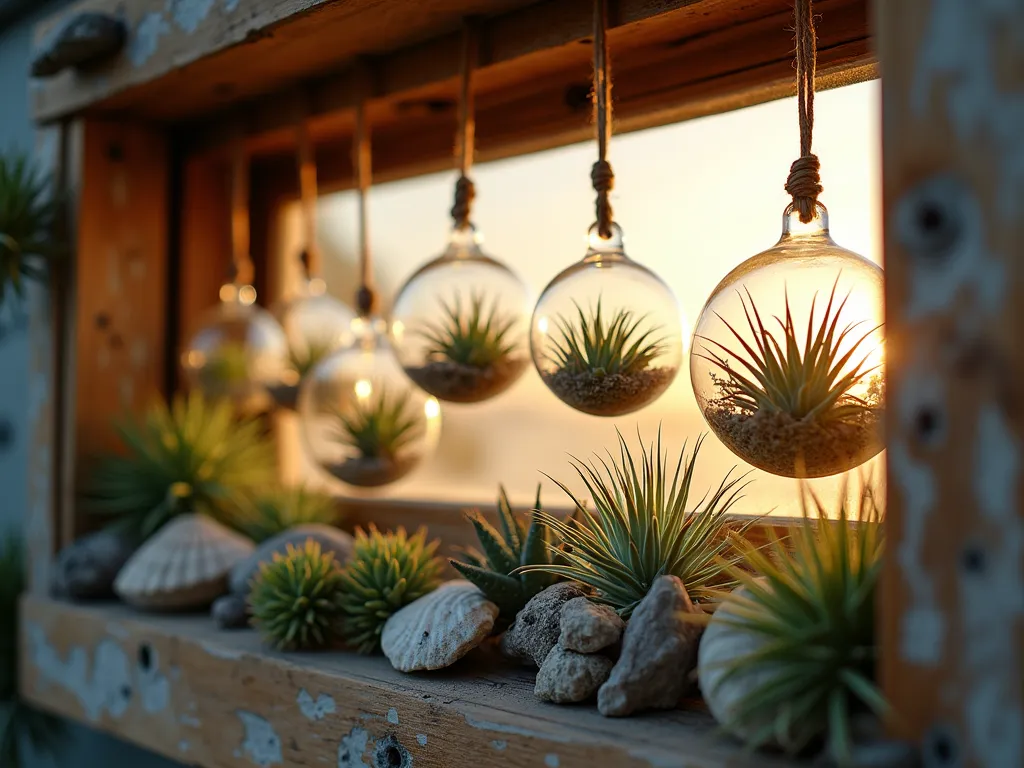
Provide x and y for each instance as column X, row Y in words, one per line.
column 362, row 421
column 787, row 355
column 238, row 352
column 606, row 335
column 459, row 324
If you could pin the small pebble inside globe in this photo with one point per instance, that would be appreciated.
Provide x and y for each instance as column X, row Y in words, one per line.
column 459, row 324
column 607, row 333
column 315, row 324
column 362, row 421
column 787, row 355
column 239, row 351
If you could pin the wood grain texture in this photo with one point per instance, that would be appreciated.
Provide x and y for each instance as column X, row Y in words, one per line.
column 953, row 597
column 216, row 699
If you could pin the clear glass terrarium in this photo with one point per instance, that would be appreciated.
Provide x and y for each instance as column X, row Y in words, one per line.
column 607, row 334
column 239, row 351
column 315, row 324
column 787, row 355
column 363, row 422
column 459, row 324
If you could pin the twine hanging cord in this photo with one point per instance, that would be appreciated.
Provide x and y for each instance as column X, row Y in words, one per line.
column 305, row 157
column 465, row 145
column 804, row 182
column 366, row 297
column 241, row 271
column 601, row 175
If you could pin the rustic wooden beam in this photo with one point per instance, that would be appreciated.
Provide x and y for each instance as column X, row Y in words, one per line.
column 953, row 600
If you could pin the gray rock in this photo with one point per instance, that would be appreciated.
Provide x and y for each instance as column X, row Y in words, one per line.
column 230, row 612
column 86, row 569
column 567, row 677
column 587, row 627
column 536, row 628
column 330, row 539
column 659, row 649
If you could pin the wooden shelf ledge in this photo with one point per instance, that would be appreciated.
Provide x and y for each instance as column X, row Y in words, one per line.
column 179, row 687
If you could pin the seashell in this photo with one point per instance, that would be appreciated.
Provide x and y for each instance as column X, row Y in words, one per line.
column 184, row 565
column 438, row 629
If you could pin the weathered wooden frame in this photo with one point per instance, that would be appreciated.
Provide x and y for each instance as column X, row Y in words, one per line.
column 953, row 596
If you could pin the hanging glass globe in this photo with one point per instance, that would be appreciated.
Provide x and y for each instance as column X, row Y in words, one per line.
column 607, row 333
column 459, row 324
column 787, row 355
column 238, row 352
column 363, row 421
column 315, row 324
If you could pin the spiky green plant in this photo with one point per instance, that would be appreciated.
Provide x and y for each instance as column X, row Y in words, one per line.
column 643, row 529
column 28, row 212
column 386, row 572
column 192, row 456
column 590, row 344
column 472, row 335
column 303, row 358
column 494, row 570
column 279, row 509
column 295, row 599
column 19, row 723
column 227, row 366
column 379, row 426
column 807, row 382
column 811, row 603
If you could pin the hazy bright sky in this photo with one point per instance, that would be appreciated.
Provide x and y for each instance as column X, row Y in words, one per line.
column 694, row 200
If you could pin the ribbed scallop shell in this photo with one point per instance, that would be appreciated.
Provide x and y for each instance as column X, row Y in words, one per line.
column 184, row 565
column 438, row 629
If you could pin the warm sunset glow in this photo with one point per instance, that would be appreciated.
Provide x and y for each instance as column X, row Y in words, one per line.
column 363, row 389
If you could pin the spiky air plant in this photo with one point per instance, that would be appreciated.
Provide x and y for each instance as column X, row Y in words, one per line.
column 494, row 569
column 790, row 658
column 20, row 724
column 28, row 212
column 303, row 358
column 379, row 426
column 387, row 571
column 778, row 391
column 295, row 599
column 642, row 528
column 228, row 366
column 279, row 509
column 193, row 456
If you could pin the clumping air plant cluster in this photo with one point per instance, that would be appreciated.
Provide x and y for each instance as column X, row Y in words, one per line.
column 494, row 569
column 304, row 357
column 644, row 526
column 227, row 366
column 296, row 599
column 810, row 608
column 192, row 456
column 387, row 571
column 379, row 426
column 280, row 508
column 28, row 212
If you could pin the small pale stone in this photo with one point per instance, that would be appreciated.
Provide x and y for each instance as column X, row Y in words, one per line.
column 587, row 627
column 230, row 612
column 86, row 569
column 659, row 649
column 536, row 628
column 328, row 537
column 568, row 677
column 438, row 629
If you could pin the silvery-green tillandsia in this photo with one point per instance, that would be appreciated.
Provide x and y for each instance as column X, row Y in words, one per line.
column 642, row 527
column 279, row 508
column 20, row 724
column 28, row 212
column 192, row 456
column 295, row 599
column 386, row 572
column 493, row 569
column 809, row 611
column 304, row 357
column 596, row 345
column 471, row 334
column 380, row 426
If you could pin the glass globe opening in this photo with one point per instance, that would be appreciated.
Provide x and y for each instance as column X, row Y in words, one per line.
column 787, row 359
column 239, row 351
column 459, row 324
column 606, row 335
column 362, row 420
column 315, row 324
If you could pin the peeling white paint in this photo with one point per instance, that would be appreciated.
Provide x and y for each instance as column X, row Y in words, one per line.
column 551, row 760
column 183, row 746
column 190, row 721
column 146, row 38
column 101, row 686
column 220, row 652
column 315, row 709
column 188, row 15
column 393, row 716
column 231, row 5
column 499, row 745
column 421, row 739
column 352, row 748
column 261, row 744
column 154, row 687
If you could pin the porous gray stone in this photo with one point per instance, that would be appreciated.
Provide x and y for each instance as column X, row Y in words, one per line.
column 587, row 627
column 568, row 677
column 329, row 538
column 86, row 569
column 536, row 628
column 230, row 612
column 659, row 650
